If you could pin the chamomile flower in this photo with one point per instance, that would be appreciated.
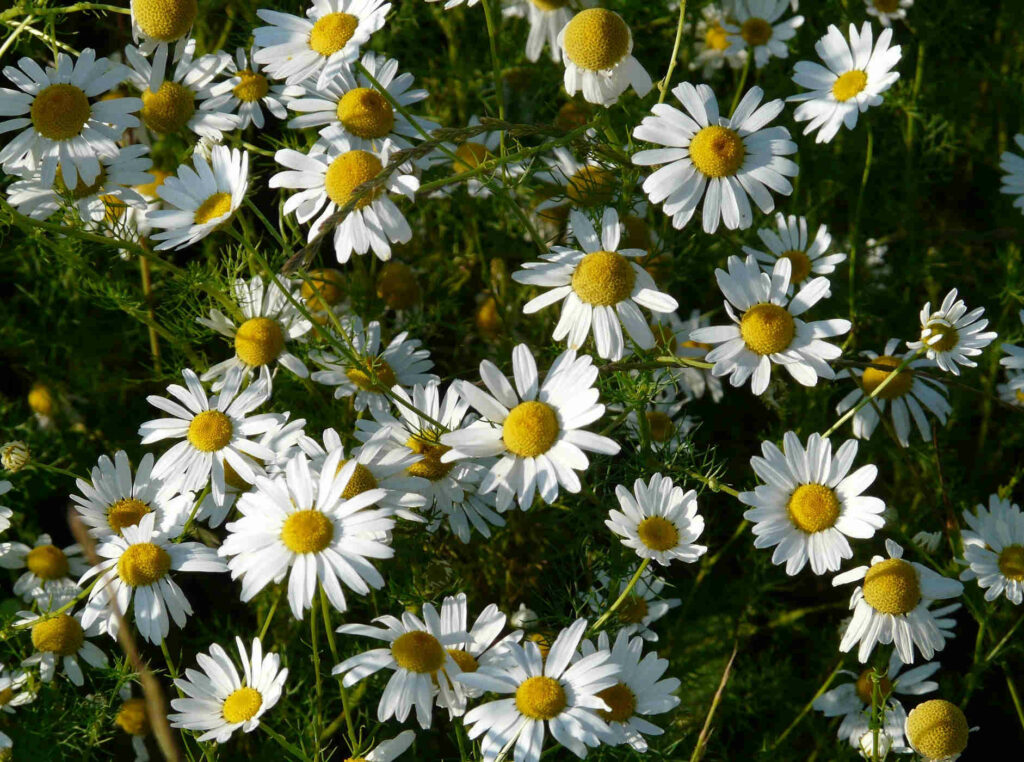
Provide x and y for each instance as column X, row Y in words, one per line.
column 14, row 689
column 1013, row 179
column 642, row 607
column 716, row 160
column 247, row 89
column 467, row 156
column 543, row 694
column 793, row 243
column 63, row 117
column 60, row 640
column 310, row 528
column 887, row 11
column 418, row 653
column 712, row 44
column 909, row 396
column 322, row 44
column 950, row 335
column 769, row 329
column 50, row 572
column 546, row 19
column 535, row 430
column 272, row 322
column 452, row 489
column 1012, row 392
column 386, row 751
column 658, row 520
column 599, row 288
column 402, row 362
column 994, row 549
column 597, row 50
column 662, row 423
column 138, row 563
column 854, row 76
column 214, row 431
column 567, row 182
column 133, row 718
column 327, row 177
column 893, row 605
column 198, row 202
column 890, row 734
column 158, row 23
column 218, row 701
column 5, row 512
column 937, row 730
column 449, row 4
column 759, row 29
column 927, row 541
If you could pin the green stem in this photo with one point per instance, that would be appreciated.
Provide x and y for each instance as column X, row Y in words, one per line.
column 663, row 87
column 622, row 596
column 739, row 88
column 270, row 614
column 1002, row 642
column 808, row 705
column 283, row 742
column 499, row 90
column 15, row 34
column 713, row 484
column 318, row 719
column 326, row 609
column 874, row 393
column 1012, row 687
column 855, row 227
column 192, row 515
column 74, row 8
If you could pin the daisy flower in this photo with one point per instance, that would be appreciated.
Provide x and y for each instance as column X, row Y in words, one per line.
column 326, row 178
column 642, row 607
column 158, row 23
column 214, row 431
column 303, row 525
column 535, row 430
column 673, row 334
column 543, row 694
column 200, row 201
column 133, row 718
column 546, row 19
column 322, row 44
column 887, row 11
column 757, row 28
column 792, row 243
column 65, row 116
column 890, row 735
column 1014, row 361
column 50, row 572
column 928, row 541
column 272, row 321
column 451, row 488
column 994, row 549
column 769, row 329
column 171, row 109
column 219, row 701
column 246, row 89
column 422, row 664
column 599, row 288
column 386, row 751
column 5, row 512
column 14, row 689
column 1012, row 392
column 597, row 50
column 449, row 4
column 138, row 563
column 729, row 158
column 854, row 76
column 60, row 640
column 662, row 423
column 469, row 155
column 658, row 520
column 892, row 605
column 350, row 106
column 712, row 44
column 908, row 396
column 565, row 183
column 950, row 335
column 402, row 362
column 937, row 730
column 1013, row 180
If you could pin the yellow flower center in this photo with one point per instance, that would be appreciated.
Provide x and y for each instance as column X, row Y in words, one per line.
column 571, row 114
column 214, row 207
column 543, row 641
column 620, row 699
column 1011, row 562
column 767, row 328
column 332, row 32
column 596, row 39
column 886, row 6
column 892, row 587
column 418, row 652
column 813, row 508
column 379, row 367
column 242, row 705
column 1019, row 396
column 603, row 278
column 307, row 531
column 252, row 87
column 540, row 698
column 469, row 156
column 635, row 233
column 168, row 109
column 126, row 512
column 633, row 610
column 658, row 533
column 347, row 172
column 466, row 661
column 591, row 186
column 210, row 431
column 530, row 429
column 717, row 151
column 61, row 635
column 865, row 687
column 362, row 480
column 6, row 695
column 149, row 189
column 756, row 31
column 937, row 729
column 948, row 336
column 716, row 38
column 487, row 318
column 324, row 289
column 874, row 376
column 143, row 564
column 848, row 85
column 660, row 424
column 47, row 562
column 233, row 479
column 164, row 20
column 800, row 265
column 132, row 717
column 259, row 341
column 664, row 336
column 40, row 399
column 366, row 113
column 60, row 111
column 81, row 190
column 431, row 466
column 113, row 208
column 397, row 286
column 550, row 5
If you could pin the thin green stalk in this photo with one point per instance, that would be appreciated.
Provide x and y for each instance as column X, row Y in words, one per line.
column 318, row 718
column 855, row 226
column 713, row 484
column 15, row 34
column 808, row 705
column 74, row 8
column 1012, row 687
column 171, row 669
column 283, row 742
column 622, row 596
column 663, row 87
column 874, row 393
column 1002, row 642
column 326, row 609
column 739, row 88
column 270, row 614
column 192, row 515
column 499, row 90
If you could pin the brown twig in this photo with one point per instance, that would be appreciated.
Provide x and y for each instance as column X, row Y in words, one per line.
column 705, row 732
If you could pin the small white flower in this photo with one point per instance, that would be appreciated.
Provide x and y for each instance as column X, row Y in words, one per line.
column 994, row 549
column 928, row 541
column 15, row 689
column 158, row 23
column 5, row 512
column 642, row 607
column 597, row 50
column 792, row 243
column 887, row 11
column 951, row 334
column 662, row 423
column 546, row 20
column 61, row 640
column 1013, row 180
column 246, row 89
column 758, row 29
column 712, row 44
column 658, row 520
column 673, row 333
column 50, row 572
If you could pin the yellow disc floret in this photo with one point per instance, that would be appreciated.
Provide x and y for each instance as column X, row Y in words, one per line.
column 47, row 562
column 488, row 319
column 307, row 531
column 550, row 5
column 62, row 635
column 660, row 425
column 164, row 20
column 366, row 113
column 596, row 39
column 658, row 533
column 132, row 717
column 210, row 431
column 800, row 265
column 756, row 31
column 530, row 429
column 633, row 610
column 259, row 341
column 324, row 289
column 813, row 508
column 865, row 686
column 252, row 87
column 126, row 512
column 892, row 587
column 466, row 661
column 149, row 189
column 168, row 109
column 143, row 564
column 621, row 701
column 1011, row 562
column 603, row 278
column 937, row 729
column 431, row 466
column 947, row 336
column 212, row 208
column 347, row 172
column 469, row 156
column 59, row 112
column 849, row 85
column 332, row 32
column 242, row 705
column 717, row 151
column 540, row 698
column 873, row 377
column 767, row 328
column 716, row 38
column 591, row 186
column 378, row 367
column 418, row 652
column 362, row 479
column 41, row 400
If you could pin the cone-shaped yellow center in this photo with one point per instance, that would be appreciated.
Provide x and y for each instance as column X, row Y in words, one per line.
column 252, row 87
column 466, row 661
column 431, row 466
column 307, row 531
column 813, row 508
column 242, row 705
column 132, row 717
column 6, row 695
column 47, row 562
column 397, row 286
column 530, row 429
column 849, row 85
column 800, row 265
column 168, row 109
column 873, row 377
column 259, row 341
column 620, row 699
column 213, row 207
column 633, row 610
column 697, row 345
column 143, row 564
column 767, row 328
column 948, row 336
column 362, row 479
column 210, row 431
column 418, row 652
column 571, row 114
column 332, row 32
column 324, row 289
column 470, row 155
column 892, row 587
column 164, row 20
column 380, row 368
column 81, row 189
column 233, row 479
column 126, row 512
column 540, row 698
column 60, row 111
column 40, row 399
column 487, row 318
column 550, row 5
column 149, row 189
column 62, row 635
column 347, row 172
column 658, row 533
column 1011, row 562
column 596, row 39
column 603, row 278
column 717, row 151
column 591, row 186
column 865, row 686
column 366, row 113
column 660, row 425
column 937, row 729
column 756, row 31
column 716, row 38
